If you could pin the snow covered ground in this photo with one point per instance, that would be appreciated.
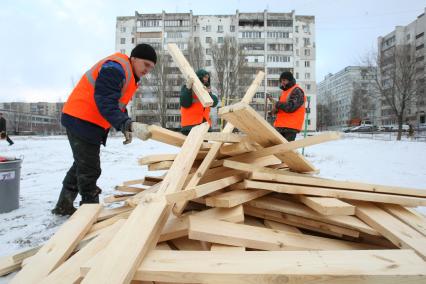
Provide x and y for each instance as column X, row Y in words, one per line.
column 46, row 160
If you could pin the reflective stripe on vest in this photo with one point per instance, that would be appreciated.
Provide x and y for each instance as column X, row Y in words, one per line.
column 127, row 68
column 294, row 119
column 81, row 103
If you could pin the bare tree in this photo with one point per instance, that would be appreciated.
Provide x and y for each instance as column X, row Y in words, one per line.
column 229, row 68
column 195, row 54
column 396, row 79
column 361, row 103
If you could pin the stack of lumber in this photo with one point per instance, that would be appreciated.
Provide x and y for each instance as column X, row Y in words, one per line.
column 236, row 208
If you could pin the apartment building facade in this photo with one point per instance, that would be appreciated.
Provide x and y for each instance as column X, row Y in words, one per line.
column 349, row 95
column 412, row 35
column 271, row 42
column 33, row 118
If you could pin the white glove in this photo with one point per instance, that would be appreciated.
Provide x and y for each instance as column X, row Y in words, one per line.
column 189, row 83
column 141, row 130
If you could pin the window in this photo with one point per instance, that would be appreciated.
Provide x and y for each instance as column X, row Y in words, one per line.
column 208, row 28
column 149, row 23
column 133, row 40
column 176, row 23
column 297, row 63
column 195, row 28
column 232, row 28
column 297, row 52
column 419, row 35
column 123, row 40
column 220, row 29
column 278, row 58
column 307, row 76
column 174, row 35
column 308, row 87
column 307, row 52
column 306, row 41
column 280, row 23
column 297, row 75
column 278, row 34
column 251, row 34
column 208, row 51
column 208, row 39
column 220, row 40
column 408, row 37
column 297, row 40
column 307, row 64
column 305, row 29
column 296, row 29
column 123, row 29
column 208, row 63
column 280, row 47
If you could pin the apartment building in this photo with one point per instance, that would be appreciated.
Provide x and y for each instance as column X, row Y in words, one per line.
column 412, row 35
column 346, row 96
column 271, row 42
column 32, row 118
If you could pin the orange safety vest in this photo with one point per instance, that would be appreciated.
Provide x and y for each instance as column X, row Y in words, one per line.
column 292, row 120
column 81, row 103
column 194, row 114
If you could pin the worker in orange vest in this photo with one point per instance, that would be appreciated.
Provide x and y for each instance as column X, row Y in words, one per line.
column 98, row 102
column 290, row 109
column 192, row 111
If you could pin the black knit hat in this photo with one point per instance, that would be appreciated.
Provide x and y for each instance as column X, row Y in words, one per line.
column 144, row 51
column 287, row 75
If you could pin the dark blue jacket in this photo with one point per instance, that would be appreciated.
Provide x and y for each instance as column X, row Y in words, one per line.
column 108, row 87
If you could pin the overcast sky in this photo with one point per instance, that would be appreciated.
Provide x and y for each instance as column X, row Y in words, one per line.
column 47, row 44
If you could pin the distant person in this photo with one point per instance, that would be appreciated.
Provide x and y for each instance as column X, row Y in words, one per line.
column 290, row 109
column 3, row 131
column 410, row 131
column 192, row 111
column 97, row 103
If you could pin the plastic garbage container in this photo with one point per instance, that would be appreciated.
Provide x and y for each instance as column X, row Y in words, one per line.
column 10, row 175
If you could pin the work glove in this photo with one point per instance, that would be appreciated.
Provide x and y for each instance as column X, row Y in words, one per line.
column 127, row 131
column 189, row 83
column 141, row 130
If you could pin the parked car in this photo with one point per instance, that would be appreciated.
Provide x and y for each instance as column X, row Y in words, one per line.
column 363, row 128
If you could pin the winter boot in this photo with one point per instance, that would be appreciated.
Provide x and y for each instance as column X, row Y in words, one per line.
column 65, row 206
column 91, row 198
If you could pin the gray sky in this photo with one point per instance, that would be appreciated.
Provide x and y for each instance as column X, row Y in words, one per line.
column 47, row 44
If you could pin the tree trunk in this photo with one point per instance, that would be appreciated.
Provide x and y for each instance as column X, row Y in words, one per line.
column 399, row 128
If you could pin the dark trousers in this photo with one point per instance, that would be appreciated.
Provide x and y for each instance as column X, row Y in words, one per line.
column 85, row 170
column 288, row 133
column 5, row 136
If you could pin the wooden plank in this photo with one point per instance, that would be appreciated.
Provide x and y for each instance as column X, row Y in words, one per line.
column 234, row 197
column 293, row 178
column 220, row 247
column 293, row 145
column 142, row 229
column 117, row 198
column 336, row 193
column 150, row 159
column 237, row 148
column 60, row 245
column 170, row 137
column 164, row 165
column 187, row 71
column 416, row 221
column 133, row 182
column 126, row 188
column 282, row 227
column 8, row 265
column 69, row 271
column 292, row 208
column 327, row 205
column 177, row 227
column 249, row 121
column 191, row 245
column 300, row 222
column 214, row 151
column 204, row 189
column 107, row 213
column 223, row 137
column 261, row 238
column 368, row 266
column 253, row 221
column 391, row 228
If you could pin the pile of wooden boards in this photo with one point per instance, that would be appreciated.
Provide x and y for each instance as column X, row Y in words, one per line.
column 236, row 208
